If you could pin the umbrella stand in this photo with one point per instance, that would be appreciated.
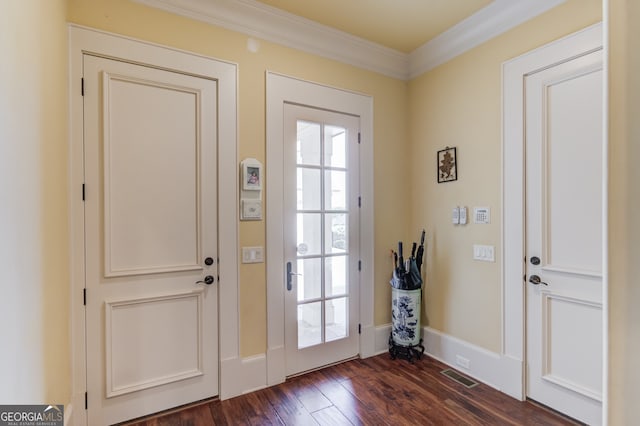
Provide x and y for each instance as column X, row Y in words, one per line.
column 406, row 297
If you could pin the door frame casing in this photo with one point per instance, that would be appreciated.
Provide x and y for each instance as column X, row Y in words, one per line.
column 84, row 40
column 281, row 89
column 513, row 196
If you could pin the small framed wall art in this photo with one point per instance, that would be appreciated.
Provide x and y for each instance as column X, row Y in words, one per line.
column 447, row 165
column 251, row 175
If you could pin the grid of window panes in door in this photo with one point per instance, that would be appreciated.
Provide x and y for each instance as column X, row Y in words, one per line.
column 322, row 233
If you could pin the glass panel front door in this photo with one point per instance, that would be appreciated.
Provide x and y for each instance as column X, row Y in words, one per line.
column 321, row 217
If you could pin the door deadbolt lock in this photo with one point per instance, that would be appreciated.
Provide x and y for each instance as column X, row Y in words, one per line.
column 535, row 260
column 208, row 261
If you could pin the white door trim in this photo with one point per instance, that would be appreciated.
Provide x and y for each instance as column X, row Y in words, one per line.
column 281, row 89
column 83, row 40
column 513, row 193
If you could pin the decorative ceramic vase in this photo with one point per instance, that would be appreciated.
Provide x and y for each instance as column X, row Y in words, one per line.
column 405, row 316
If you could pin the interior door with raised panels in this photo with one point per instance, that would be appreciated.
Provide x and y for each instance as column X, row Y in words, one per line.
column 321, row 237
column 564, row 180
column 151, row 239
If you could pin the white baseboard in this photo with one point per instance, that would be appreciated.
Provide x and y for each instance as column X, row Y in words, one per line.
column 76, row 417
column 276, row 367
column 504, row 373
column 68, row 413
column 484, row 365
column 513, row 377
column 500, row 372
column 382, row 338
column 242, row 375
column 368, row 341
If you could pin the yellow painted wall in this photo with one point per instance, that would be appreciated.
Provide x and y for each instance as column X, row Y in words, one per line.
column 390, row 107
column 35, row 351
column 458, row 104
column 624, row 213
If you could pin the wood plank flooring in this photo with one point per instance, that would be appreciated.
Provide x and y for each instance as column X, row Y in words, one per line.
column 373, row 391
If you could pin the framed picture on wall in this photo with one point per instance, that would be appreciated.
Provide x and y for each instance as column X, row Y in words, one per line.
column 447, row 165
column 251, row 176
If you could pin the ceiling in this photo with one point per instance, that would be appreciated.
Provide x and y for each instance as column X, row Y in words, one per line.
column 403, row 25
column 397, row 38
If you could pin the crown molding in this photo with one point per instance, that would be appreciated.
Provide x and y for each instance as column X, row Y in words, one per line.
column 274, row 25
column 268, row 23
column 489, row 22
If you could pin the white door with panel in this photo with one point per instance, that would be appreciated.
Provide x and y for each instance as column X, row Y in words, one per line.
column 564, row 250
column 150, row 238
column 321, row 237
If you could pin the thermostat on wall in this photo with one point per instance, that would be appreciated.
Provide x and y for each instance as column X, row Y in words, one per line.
column 251, row 209
column 481, row 215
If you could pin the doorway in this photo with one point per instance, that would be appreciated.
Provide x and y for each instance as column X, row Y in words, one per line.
column 340, row 315
column 150, row 142
column 553, row 227
column 321, row 234
column 564, row 202
column 150, row 239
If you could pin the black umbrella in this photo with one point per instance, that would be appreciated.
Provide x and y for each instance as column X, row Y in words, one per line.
column 396, row 280
column 420, row 253
column 412, row 279
column 400, row 267
column 407, row 275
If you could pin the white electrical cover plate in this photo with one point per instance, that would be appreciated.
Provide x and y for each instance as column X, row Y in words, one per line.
column 455, row 215
column 463, row 215
column 251, row 209
column 252, row 254
column 484, row 253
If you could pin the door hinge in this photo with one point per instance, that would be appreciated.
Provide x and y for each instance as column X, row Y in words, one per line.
column 359, row 139
column 359, row 265
column 86, row 401
column 359, row 201
column 82, row 86
column 359, row 328
column 84, row 296
column 83, row 192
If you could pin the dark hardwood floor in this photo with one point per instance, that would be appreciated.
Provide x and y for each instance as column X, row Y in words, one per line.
column 373, row 391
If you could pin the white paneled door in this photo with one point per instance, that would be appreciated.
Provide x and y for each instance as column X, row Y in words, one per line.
column 564, row 249
column 321, row 237
column 150, row 237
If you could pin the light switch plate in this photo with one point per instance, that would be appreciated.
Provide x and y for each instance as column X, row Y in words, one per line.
column 484, row 253
column 252, row 254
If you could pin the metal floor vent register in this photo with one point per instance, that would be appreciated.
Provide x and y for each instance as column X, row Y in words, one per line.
column 463, row 380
